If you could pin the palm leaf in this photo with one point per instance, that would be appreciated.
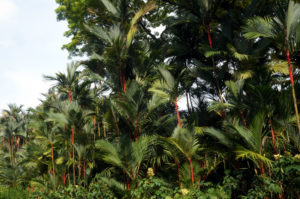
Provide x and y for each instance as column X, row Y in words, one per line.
column 111, row 8
column 259, row 27
column 150, row 5
column 220, row 136
column 243, row 153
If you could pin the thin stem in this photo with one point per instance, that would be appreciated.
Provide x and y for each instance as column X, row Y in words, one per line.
column 192, row 170
column 52, row 156
column 178, row 115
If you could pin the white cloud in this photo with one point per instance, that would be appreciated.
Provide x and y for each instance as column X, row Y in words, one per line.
column 6, row 44
column 26, row 88
column 7, row 10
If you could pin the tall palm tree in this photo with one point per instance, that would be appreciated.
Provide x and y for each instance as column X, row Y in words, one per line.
column 283, row 30
column 135, row 110
column 244, row 143
column 119, row 38
column 66, row 83
column 126, row 154
column 69, row 119
column 167, row 88
column 183, row 141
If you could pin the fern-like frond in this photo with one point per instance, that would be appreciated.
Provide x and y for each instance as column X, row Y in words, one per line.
column 259, row 27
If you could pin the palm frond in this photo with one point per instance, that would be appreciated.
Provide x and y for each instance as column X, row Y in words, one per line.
column 219, row 135
column 111, row 8
column 259, row 27
column 243, row 153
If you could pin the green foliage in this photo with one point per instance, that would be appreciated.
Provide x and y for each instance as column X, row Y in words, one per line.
column 13, row 193
column 153, row 187
column 107, row 127
column 263, row 187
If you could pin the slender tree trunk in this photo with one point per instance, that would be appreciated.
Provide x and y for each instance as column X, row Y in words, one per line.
column 74, row 171
column 213, row 62
column 98, row 127
column 79, row 170
column 98, row 124
column 243, row 118
column 128, row 182
column 273, row 135
column 95, row 118
column 292, row 79
column 192, row 170
column 70, row 95
column 52, row 156
column 123, row 78
column 178, row 115
column 73, row 142
column 295, row 100
column 124, row 81
column 65, row 178
column 262, row 169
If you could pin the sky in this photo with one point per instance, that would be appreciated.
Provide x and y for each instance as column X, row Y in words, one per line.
column 30, row 47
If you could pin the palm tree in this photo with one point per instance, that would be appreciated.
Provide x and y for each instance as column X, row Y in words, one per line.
column 13, row 129
column 119, row 38
column 135, row 110
column 69, row 119
column 66, row 83
column 183, row 141
column 126, row 154
column 244, row 143
column 283, row 30
column 46, row 136
column 167, row 88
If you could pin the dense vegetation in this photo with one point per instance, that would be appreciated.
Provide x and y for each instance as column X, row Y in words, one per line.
column 110, row 127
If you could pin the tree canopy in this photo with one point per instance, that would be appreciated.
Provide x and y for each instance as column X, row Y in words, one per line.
column 206, row 107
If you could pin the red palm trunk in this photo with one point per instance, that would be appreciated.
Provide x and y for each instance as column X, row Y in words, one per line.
column 244, row 120
column 214, row 67
column 178, row 116
column 73, row 141
column 262, row 169
column 273, row 136
column 73, row 136
column 293, row 84
column 208, row 34
column 65, row 178
column 290, row 67
column 9, row 148
column 192, row 170
column 128, row 183
column 123, row 81
column 69, row 94
column 95, row 119
column 79, row 169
